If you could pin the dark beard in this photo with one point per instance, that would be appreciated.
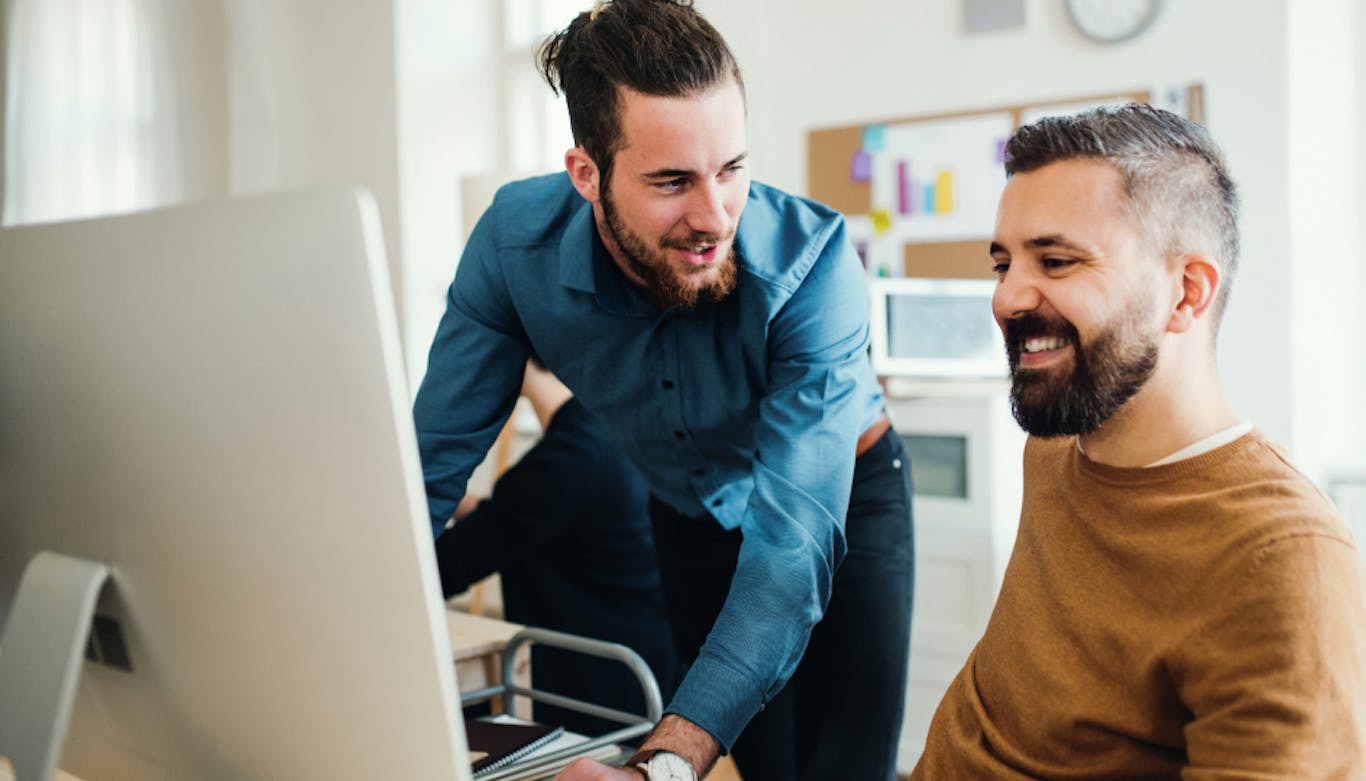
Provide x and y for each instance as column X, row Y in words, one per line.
column 665, row 285
column 1105, row 375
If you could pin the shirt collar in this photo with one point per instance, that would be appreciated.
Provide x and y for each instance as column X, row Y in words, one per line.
column 595, row 272
column 576, row 267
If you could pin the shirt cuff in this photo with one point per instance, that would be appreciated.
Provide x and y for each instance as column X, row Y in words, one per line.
column 717, row 698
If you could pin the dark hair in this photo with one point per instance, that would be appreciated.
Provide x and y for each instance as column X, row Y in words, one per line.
column 1173, row 172
column 655, row 47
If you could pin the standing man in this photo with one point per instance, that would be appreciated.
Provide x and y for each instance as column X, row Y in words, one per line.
column 727, row 354
column 1181, row 602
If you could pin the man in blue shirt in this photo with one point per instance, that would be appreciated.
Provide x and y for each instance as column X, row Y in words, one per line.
column 728, row 357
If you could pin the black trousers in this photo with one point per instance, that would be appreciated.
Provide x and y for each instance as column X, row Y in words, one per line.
column 839, row 716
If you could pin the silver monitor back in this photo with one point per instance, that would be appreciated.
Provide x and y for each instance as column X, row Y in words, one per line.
column 210, row 399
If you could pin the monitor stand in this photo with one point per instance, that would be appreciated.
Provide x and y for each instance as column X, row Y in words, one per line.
column 40, row 658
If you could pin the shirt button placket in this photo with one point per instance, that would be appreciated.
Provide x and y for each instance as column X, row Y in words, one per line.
column 673, row 401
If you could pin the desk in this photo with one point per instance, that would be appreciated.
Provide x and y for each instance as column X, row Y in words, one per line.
column 477, row 642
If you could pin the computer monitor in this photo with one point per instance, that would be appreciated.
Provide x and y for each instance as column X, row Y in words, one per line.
column 209, row 401
column 938, row 329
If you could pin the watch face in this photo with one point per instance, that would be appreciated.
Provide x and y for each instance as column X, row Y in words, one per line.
column 1112, row 21
column 665, row 766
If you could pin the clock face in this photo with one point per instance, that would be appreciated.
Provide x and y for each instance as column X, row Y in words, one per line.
column 1112, row 21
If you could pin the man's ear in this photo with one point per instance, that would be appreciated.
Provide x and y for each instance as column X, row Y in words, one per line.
column 1196, row 286
column 583, row 172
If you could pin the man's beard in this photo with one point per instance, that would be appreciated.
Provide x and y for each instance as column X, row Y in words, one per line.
column 668, row 285
column 1105, row 374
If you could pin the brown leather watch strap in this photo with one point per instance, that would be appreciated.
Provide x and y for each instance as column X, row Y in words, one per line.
column 640, row 758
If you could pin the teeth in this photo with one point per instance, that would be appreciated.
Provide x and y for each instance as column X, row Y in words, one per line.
column 1041, row 343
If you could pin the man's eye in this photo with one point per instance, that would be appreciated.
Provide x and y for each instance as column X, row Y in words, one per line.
column 1057, row 263
column 669, row 185
column 732, row 170
column 1000, row 267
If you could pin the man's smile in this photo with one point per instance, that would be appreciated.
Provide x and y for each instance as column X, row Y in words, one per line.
column 699, row 254
column 1040, row 351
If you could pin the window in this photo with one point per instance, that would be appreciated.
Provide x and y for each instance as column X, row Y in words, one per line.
column 534, row 118
column 88, row 129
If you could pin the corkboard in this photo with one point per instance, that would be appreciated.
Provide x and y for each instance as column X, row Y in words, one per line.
column 948, row 259
column 829, row 153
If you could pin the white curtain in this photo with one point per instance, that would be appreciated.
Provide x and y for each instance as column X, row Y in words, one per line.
column 89, row 126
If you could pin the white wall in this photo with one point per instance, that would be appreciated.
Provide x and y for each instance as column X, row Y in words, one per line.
column 819, row 65
column 196, row 37
column 1356, row 253
column 1326, row 259
column 312, row 100
column 445, row 106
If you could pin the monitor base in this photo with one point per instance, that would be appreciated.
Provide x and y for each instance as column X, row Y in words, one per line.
column 40, row 658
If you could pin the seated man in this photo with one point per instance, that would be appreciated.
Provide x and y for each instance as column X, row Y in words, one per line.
column 1181, row 602
column 567, row 528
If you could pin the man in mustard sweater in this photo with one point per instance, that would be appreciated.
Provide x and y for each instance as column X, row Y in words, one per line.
column 1181, row 602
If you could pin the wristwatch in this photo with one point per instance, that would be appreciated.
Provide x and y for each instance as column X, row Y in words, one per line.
column 661, row 765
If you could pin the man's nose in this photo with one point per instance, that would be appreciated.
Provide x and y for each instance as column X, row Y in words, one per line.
column 707, row 211
column 1016, row 294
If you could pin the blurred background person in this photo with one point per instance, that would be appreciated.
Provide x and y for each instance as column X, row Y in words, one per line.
column 567, row 530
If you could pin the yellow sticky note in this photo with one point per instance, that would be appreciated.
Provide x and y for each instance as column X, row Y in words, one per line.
column 943, row 192
column 882, row 220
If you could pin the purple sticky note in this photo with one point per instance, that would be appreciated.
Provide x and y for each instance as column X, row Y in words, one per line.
column 861, row 166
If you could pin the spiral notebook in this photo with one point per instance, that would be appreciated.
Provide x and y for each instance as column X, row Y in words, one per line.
column 497, row 744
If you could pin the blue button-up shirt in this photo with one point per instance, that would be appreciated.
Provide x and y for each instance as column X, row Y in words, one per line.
column 747, row 409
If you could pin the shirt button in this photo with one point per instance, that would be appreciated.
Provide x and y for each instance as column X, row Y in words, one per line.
column 717, row 502
column 668, row 384
column 680, row 435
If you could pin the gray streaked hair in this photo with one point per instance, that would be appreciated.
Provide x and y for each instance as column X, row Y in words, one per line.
column 1173, row 172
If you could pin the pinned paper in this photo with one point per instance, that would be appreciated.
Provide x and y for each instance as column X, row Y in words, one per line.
column 903, row 187
column 943, row 192
column 882, row 221
column 874, row 138
column 948, row 187
column 861, row 166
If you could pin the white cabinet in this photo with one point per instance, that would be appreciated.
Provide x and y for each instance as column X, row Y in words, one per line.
column 966, row 452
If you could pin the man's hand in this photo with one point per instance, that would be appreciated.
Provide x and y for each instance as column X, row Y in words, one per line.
column 592, row 770
column 467, row 505
column 673, row 733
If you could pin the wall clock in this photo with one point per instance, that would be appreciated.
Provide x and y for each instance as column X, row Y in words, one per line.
column 1112, row 21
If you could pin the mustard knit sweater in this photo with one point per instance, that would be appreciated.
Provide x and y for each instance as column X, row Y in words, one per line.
column 1204, row 619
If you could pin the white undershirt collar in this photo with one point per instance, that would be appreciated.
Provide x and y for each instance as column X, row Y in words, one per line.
column 1207, row 444
column 1197, row 448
